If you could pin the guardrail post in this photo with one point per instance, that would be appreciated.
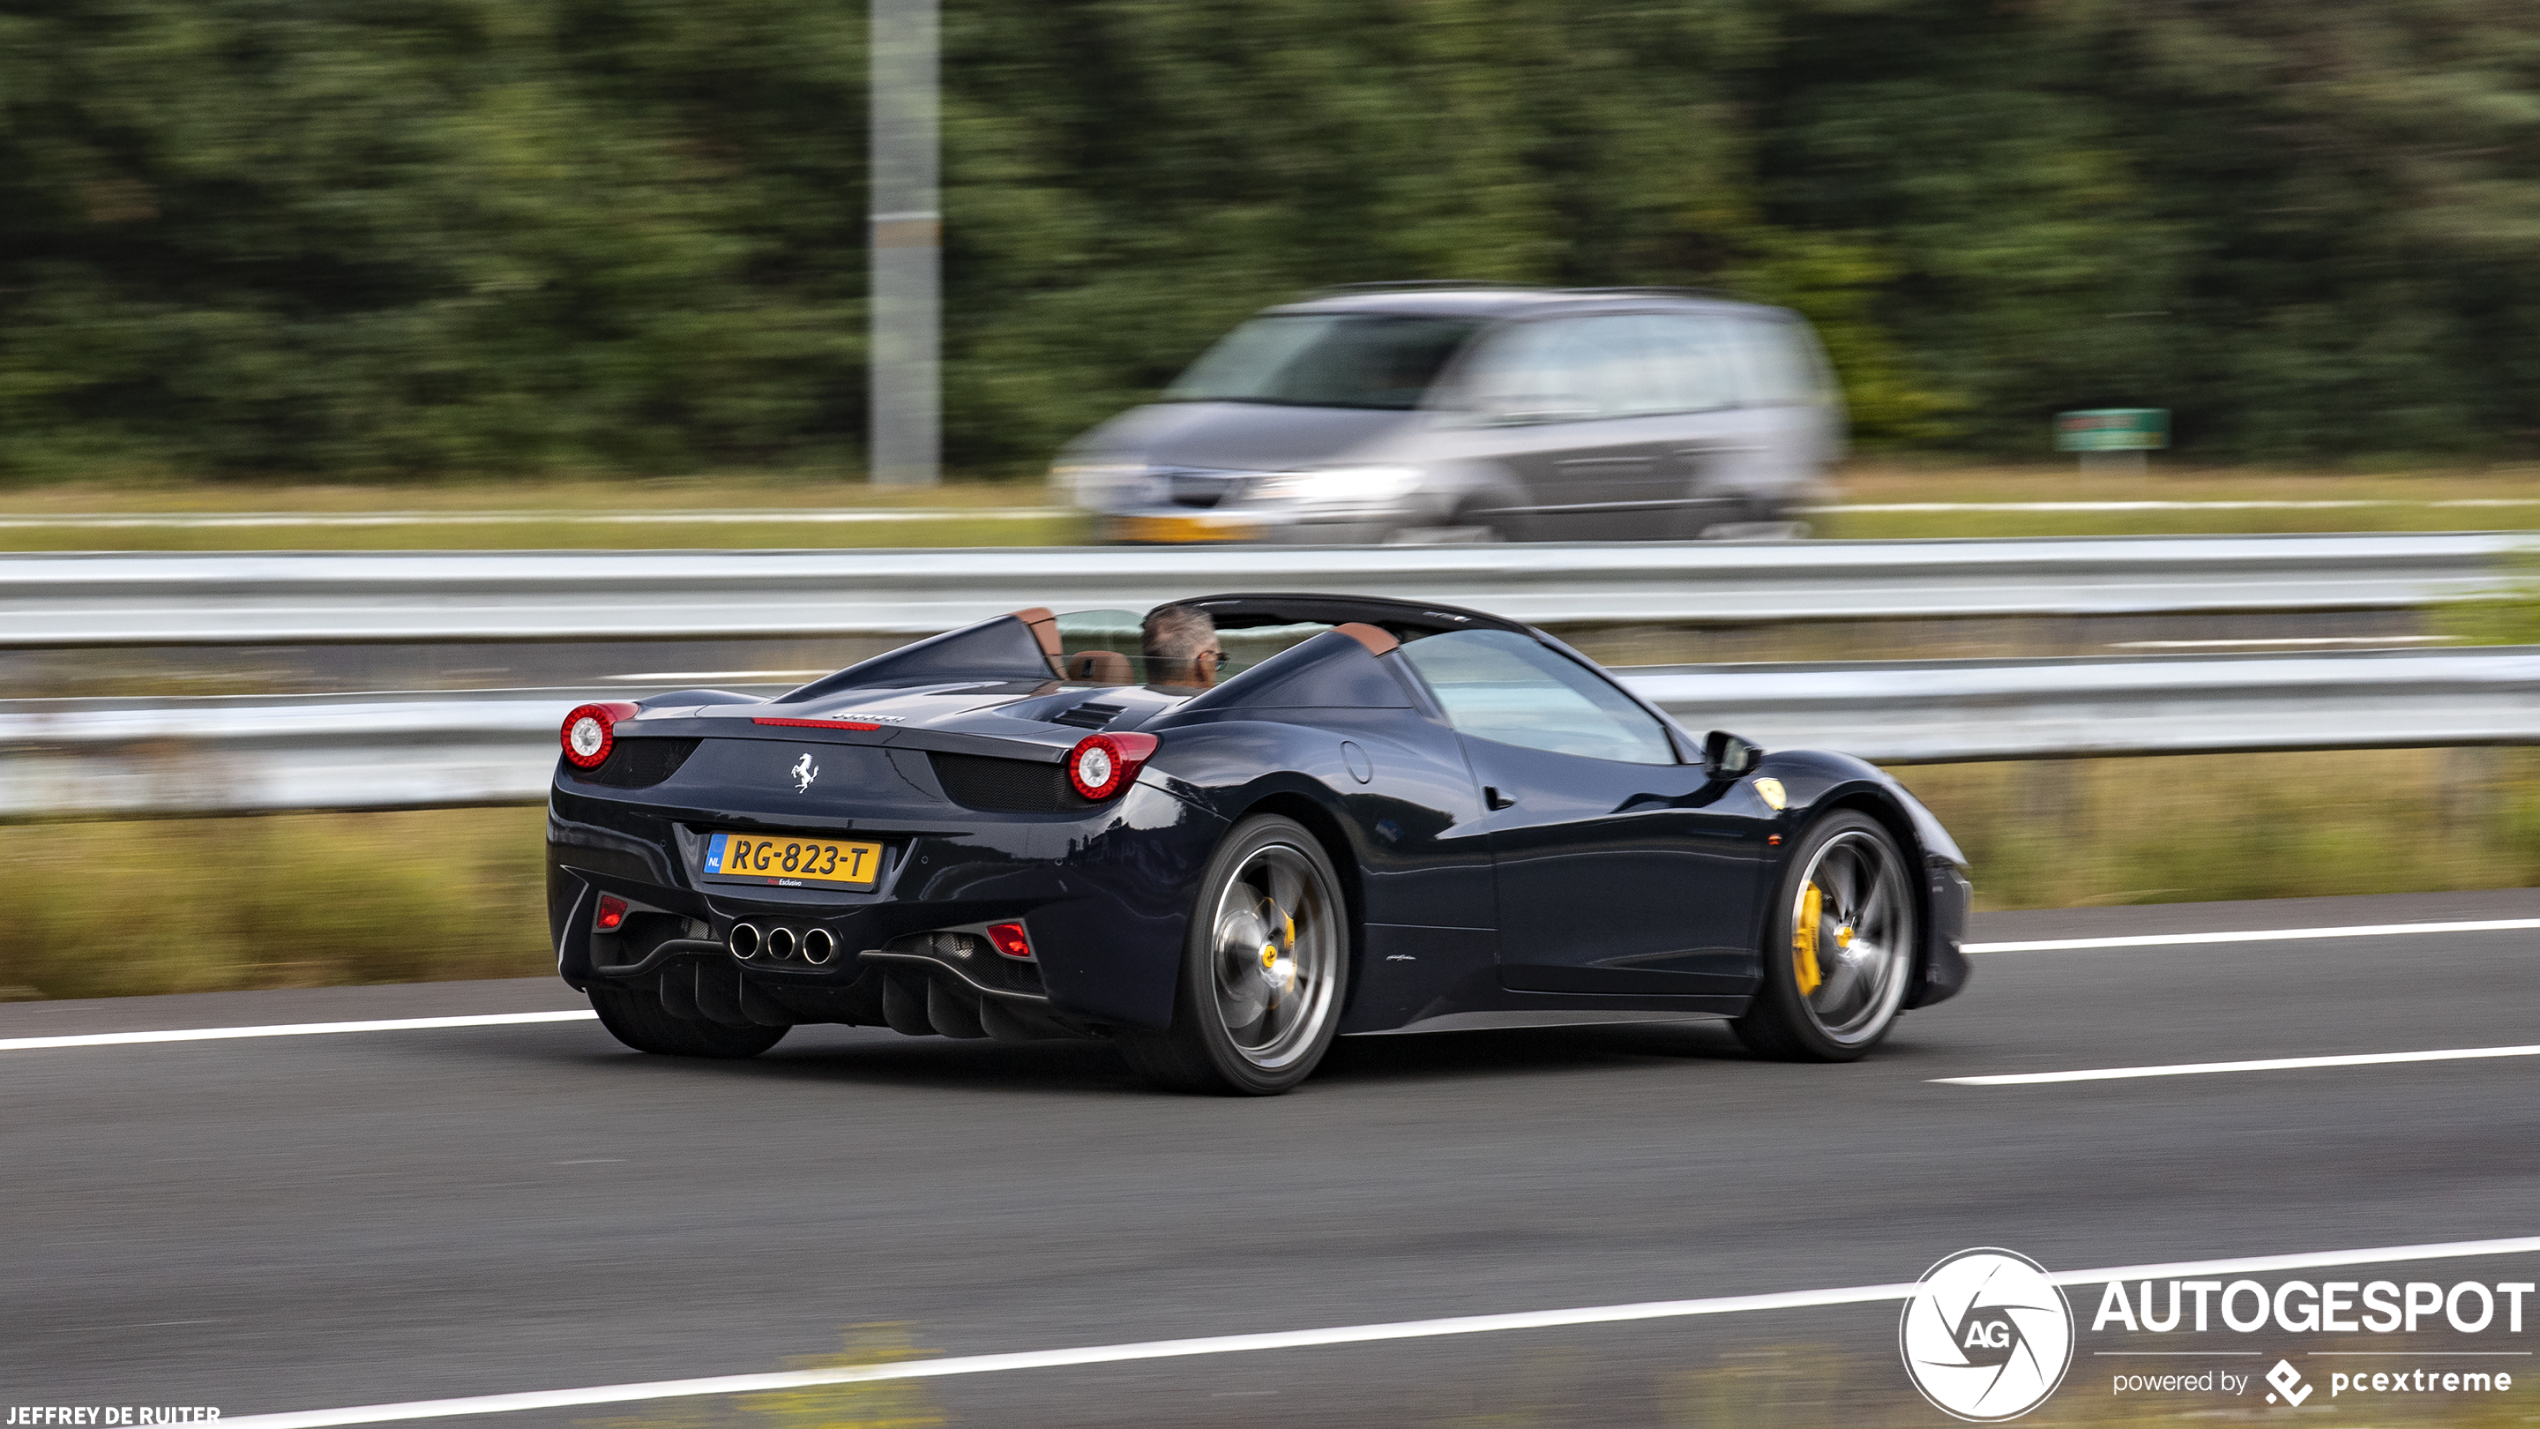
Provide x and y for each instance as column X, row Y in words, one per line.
column 906, row 445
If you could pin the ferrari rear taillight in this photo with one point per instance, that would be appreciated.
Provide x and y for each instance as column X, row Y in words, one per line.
column 590, row 732
column 1010, row 939
column 612, row 915
column 1102, row 765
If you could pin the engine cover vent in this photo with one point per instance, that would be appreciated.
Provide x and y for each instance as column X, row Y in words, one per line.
column 1092, row 714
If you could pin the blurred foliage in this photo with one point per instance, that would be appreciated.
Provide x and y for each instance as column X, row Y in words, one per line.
column 424, row 236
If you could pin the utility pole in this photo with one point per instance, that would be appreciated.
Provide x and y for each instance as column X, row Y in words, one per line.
column 907, row 247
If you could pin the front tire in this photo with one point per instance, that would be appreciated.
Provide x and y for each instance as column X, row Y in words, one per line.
column 639, row 1021
column 1839, row 949
column 1264, row 969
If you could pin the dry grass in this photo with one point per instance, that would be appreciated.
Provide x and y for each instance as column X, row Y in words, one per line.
column 108, row 909
column 2415, row 504
column 302, row 900
column 2415, row 500
column 2200, row 827
column 543, row 508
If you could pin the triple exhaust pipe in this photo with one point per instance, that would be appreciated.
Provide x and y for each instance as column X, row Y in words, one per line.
column 778, row 943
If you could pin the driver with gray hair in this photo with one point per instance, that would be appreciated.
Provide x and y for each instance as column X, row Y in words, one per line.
column 1181, row 648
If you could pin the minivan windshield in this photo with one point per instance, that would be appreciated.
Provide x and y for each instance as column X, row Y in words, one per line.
column 1383, row 361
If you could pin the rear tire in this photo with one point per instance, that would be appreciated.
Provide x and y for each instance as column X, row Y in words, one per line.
column 1265, row 968
column 1836, row 964
column 637, row 1019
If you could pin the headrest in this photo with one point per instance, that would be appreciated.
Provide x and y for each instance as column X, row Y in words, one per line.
column 1100, row 667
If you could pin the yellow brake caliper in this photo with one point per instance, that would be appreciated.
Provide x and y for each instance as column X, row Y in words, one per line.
column 1803, row 941
column 1271, row 953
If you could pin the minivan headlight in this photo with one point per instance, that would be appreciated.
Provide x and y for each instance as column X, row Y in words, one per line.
column 1338, row 486
column 1095, row 483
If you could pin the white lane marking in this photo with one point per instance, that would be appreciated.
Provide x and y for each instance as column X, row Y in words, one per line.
column 2305, row 641
column 288, row 1029
column 1303, row 1339
column 2261, row 935
column 499, row 1019
column 2268, row 1064
column 1942, row 508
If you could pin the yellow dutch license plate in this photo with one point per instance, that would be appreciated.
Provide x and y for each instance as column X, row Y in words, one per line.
column 785, row 861
column 1183, row 529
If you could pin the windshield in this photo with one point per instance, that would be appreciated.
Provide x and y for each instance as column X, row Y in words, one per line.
column 1371, row 360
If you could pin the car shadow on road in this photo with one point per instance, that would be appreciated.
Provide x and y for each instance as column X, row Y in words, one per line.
column 874, row 1057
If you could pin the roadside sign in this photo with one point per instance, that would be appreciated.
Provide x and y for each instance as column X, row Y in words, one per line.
column 2113, row 429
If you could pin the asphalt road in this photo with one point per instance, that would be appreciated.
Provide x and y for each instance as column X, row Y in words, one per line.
column 313, row 1222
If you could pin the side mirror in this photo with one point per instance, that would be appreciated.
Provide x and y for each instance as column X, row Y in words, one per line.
column 1727, row 755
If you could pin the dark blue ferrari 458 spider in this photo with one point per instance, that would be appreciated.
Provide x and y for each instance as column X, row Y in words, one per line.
column 1221, row 834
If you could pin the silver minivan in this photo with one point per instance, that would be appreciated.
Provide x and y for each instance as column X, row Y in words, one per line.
column 1461, row 412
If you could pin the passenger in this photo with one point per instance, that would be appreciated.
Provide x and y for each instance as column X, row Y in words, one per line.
column 1181, row 649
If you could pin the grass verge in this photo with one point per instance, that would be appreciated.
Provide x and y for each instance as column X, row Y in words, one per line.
column 198, row 905
column 298, row 900
column 529, row 514
column 2428, row 500
column 2406, row 501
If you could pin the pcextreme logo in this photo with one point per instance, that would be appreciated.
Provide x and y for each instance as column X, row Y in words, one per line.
column 1986, row 1336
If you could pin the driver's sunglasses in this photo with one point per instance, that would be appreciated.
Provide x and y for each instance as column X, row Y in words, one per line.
column 1216, row 659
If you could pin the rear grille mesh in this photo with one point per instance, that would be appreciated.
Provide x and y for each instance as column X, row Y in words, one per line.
column 642, row 763
column 1007, row 786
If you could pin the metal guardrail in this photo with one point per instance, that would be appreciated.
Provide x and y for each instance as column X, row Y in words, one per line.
column 62, row 601
column 97, row 758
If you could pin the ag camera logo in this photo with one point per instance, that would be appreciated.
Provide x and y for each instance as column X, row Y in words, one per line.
column 1986, row 1336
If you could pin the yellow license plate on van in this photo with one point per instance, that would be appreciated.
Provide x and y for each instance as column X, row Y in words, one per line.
column 1183, row 529
column 784, row 861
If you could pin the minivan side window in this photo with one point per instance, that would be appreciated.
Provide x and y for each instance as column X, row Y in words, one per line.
column 1695, row 359
column 1540, row 372
column 1778, row 368
column 1500, row 685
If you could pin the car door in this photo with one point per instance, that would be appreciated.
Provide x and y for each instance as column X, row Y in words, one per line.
column 1620, row 867
column 1790, row 407
column 1567, row 402
column 1711, row 456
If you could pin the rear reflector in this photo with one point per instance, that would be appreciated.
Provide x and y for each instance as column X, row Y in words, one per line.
column 1009, row 939
column 612, row 913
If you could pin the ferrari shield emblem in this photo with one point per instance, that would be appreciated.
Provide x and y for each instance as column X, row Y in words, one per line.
column 1771, row 790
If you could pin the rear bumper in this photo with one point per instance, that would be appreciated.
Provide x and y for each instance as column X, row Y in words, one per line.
column 1103, row 897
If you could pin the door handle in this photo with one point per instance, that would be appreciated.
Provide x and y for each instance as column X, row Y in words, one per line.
column 1495, row 799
